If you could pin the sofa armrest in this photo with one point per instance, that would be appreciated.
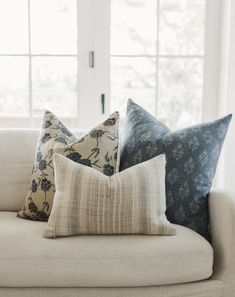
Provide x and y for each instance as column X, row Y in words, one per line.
column 222, row 224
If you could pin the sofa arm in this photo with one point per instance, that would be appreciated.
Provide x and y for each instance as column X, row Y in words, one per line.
column 222, row 224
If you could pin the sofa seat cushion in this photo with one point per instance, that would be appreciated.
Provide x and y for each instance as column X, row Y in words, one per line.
column 29, row 260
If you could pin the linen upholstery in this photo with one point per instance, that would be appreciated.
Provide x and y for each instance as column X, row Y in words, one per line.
column 88, row 202
column 222, row 214
column 192, row 155
column 207, row 288
column 16, row 158
column 222, row 224
column 97, row 149
column 98, row 260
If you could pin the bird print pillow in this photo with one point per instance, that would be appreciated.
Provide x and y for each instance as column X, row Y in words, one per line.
column 97, row 149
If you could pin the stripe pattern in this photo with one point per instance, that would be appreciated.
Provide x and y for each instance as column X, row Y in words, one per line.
column 88, row 202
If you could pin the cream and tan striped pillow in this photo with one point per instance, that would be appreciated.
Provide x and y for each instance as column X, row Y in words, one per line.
column 129, row 202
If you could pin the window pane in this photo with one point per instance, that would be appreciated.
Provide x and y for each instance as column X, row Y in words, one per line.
column 180, row 91
column 54, row 83
column 133, row 27
column 53, row 26
column 14, row 26
column 182, row 25
column 14, row 86
column 133, row 78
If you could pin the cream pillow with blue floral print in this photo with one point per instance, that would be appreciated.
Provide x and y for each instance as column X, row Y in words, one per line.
column 97, row 149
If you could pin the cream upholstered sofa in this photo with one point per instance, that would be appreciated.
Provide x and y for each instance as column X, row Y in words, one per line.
column 106, row 266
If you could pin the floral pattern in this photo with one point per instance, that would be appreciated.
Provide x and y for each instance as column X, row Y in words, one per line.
column 97, row 149
column 192, row 156
column 193, row 143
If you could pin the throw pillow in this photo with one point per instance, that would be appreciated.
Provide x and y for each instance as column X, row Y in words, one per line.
column 97, row 149
column 191, row 154
column 88, row 202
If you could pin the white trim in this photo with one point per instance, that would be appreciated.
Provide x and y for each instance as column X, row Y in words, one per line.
column 77, row 56
column 225, row 53
column 157, row 58
column 228, row 91
column 102, row 58
column 212, row 60
column 33, row 123
column 85, row 74
column 212, row 72
column 223, row 86
column 30, row 98
column 93, row 30
column 37, row 55
column 93, row 25
column 157, row 55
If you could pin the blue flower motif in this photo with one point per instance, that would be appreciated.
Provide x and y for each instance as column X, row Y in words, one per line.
column 74, row 156
column 191, row 154
column 46, row 137
column 45, row 184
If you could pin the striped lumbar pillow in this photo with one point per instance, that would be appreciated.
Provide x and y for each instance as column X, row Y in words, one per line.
column 88, row 202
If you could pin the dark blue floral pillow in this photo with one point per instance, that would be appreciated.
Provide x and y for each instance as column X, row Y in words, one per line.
column 192, row 155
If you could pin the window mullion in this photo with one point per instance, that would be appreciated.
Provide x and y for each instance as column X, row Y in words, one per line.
column 211, row 60
column 157, row 57
column 101, row 38
column 30, row 63
column 78, row 61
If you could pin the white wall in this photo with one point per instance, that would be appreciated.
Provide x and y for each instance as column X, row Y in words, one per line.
column 227, row 89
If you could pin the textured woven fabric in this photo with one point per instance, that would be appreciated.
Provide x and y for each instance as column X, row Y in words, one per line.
column 206, row 288
column 17, row 156
column 88, row 202
column 16, row 159
column 222, row 225
column 99, row 260
column 97, row 149
column 192, row 155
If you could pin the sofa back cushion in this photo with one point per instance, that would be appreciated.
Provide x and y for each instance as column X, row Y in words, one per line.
column 17, row 150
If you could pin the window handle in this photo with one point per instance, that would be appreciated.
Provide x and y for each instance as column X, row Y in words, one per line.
column 91, row 59
column 103, row 103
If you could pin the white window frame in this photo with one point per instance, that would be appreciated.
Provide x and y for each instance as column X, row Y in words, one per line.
column 94, row 35
column 210, row 57
column 212, row 60
column 92, row 27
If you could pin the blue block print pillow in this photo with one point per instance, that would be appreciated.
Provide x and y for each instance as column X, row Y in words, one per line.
column 192, row 155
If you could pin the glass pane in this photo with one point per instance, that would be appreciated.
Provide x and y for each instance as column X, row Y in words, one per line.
column 14, row 26
column 133, row 27
column 180, row 91
column 53, row 26
column 14, row 86
column 182, row 24
column 133, row 78
column 54, row 83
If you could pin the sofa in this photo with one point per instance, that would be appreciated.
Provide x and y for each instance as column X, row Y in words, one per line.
column 106, row 266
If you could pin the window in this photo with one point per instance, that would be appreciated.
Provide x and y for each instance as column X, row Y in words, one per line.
column 157, row 56
column 161, row 53
column 38, row 57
